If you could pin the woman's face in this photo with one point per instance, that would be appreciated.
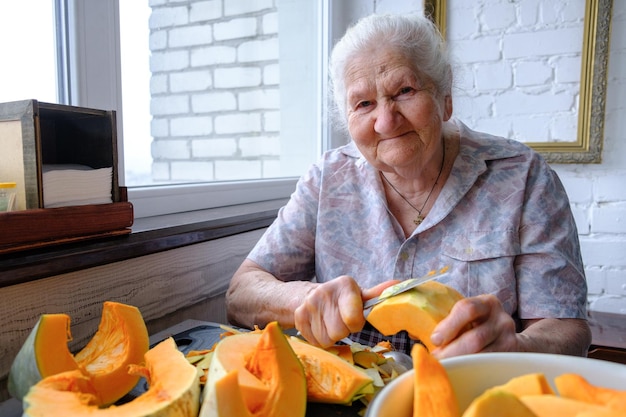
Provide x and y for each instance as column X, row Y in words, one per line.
column 394, row 118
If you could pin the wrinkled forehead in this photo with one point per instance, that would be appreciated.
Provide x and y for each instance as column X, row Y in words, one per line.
column 377, row 66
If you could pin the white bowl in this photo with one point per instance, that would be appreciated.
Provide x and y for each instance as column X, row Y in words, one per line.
column 471, row 375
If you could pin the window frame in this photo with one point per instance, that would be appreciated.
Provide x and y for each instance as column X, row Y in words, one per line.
column 92, row 40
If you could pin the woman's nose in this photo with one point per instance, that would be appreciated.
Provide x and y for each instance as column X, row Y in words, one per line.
column 387, row 117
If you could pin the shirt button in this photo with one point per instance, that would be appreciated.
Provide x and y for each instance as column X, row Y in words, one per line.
column 404, row 256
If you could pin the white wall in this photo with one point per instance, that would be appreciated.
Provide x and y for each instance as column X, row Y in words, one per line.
column 597, row 191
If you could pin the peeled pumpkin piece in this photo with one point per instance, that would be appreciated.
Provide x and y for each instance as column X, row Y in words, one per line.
column 174, row 390
column 433, row 395
column 553, row 406
column 417, row 311
column 576, row 387
column 121, row 339
column 494, row 402
column 268, row 358
column 527, row 384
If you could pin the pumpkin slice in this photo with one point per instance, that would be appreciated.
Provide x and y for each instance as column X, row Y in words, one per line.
column 270, row 360
column 527, row 384
column 494, row 402
column 417, row 311
column 174, row 390
column 121, row 340
column 329, row 378
column 576, row 387
column 433, row 395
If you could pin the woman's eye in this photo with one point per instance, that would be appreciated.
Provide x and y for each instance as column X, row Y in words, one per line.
column 405, row 90
column 363, row 104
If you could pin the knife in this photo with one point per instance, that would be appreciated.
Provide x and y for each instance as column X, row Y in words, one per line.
column 403, row 286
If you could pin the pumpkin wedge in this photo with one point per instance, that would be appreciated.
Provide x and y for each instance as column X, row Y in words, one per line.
column 417, row 311
column 433, row 395
column 280, row 390
column 121, row 340
column 174, row 390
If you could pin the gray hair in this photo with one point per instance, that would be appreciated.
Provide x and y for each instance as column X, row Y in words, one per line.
column 414, row 36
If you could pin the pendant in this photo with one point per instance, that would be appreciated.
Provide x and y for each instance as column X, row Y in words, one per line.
column 418, row 220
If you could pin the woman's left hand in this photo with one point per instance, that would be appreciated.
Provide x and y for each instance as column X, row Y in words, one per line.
column 475, row 324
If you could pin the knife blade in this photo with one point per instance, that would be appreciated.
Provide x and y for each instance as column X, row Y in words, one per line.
column 404, row 286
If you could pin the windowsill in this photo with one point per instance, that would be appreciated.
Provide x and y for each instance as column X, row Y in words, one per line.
column 149, row 235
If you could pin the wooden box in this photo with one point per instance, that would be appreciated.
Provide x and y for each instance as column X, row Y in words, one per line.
column 33, row 134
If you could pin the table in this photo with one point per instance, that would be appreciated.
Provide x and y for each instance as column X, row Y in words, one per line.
column 608, row 336
column 608, row 343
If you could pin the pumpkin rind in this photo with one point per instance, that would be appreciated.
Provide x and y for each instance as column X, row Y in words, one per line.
column 121, row 340
column 270, row 359
column 174, row 390
column 417, row 311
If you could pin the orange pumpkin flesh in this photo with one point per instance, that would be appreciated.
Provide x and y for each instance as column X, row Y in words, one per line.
column 417, row 311
column 576, row 387
column 553, row 405
column 268, row 357
column 493, row 403
column 433, row 395
column 528, row 384
column 331, row 379
column 174, row 390
column 121, row 340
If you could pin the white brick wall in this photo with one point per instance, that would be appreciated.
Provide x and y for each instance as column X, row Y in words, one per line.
column 211, row 104
column 603, row 193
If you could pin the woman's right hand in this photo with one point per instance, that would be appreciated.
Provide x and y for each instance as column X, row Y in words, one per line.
column 334, row 309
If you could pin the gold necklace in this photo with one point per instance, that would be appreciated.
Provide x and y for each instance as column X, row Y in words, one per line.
column 419, row 219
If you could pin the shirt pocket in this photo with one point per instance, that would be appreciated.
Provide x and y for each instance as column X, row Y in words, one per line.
column 483, row 262
column 481, row 246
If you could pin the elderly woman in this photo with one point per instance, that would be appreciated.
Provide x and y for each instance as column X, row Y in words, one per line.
column 415, row 191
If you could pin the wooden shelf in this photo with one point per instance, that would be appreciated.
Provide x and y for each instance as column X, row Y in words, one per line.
column 28, row 229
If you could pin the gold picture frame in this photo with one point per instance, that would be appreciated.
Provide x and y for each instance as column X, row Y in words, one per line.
column 593, row 79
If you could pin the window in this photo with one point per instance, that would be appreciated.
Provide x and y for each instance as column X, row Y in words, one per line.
column 220, row 100
column 218, row 96
column 28, row 51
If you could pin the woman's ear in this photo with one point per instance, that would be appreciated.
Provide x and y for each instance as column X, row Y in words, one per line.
column 447, row 109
